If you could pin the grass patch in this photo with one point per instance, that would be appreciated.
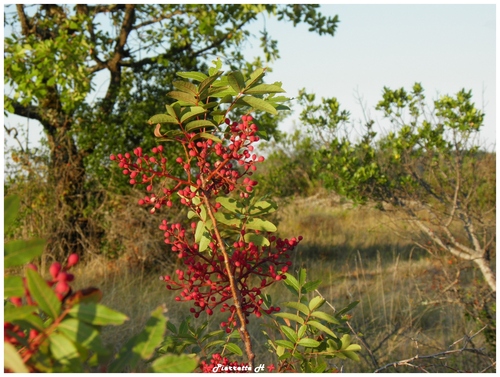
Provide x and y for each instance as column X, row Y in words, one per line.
column 354, row 251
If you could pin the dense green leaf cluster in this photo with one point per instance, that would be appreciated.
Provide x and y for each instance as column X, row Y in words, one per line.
column 308, row 337
column 54, row 336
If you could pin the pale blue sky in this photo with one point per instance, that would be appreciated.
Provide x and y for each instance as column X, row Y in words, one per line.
column 444, row 47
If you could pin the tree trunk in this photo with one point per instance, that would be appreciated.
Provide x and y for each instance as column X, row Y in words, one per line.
column 67, row 177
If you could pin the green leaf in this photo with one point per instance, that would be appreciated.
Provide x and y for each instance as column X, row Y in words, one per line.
column 281, row 108
column 311, row 285
column 204, row 86
column 279, row 350
column 289, row 333
column 353, row 347
column 292, row 282
column 186, row 86
column 13, row 286
column 212, row 334
column 284, row 356
column 200, row 228
column 12, row 203
column 316, row 303
column 31, row 321
column 97, row 314
column 346, row 309
column 81, row 333
column 302, row 331
column 42, row 294
column 232, row 205
column 234, row 349
column 20, row 252
column 346, row 341
column 205, row 241
column 302, row 276
column 184, row 327
column 131, row 352
column 174, row 111
column 351, row 355
column 255, row 76
column 264, row 89
column 257, row 239
column 236, row 81
column 193, row 111
column 320, row 368
column 152, row 334
column 321, row 327
column 198, row 124
column 12, row 359
column 171, row 135
column 290, row 316
column 215, row 343
column 125, row 358
column 259, row 104
column 222, row 92
column 209, row 105
column 62, row 348
column 227, row 219
column 183, row 97
column 297, row 305
column 285, row 344
column 174, row 364
column 262, row 207
column 308, row 342
column 215, row 69
column 171, row 327
column 197, row 76
column 206, row 135
column 262, row 225
column 324, row 316
column 162, row 118
column 13, row 313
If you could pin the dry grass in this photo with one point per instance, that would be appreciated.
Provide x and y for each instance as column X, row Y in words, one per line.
column 402, row 310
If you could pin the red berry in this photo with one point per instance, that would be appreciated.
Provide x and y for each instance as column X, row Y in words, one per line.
column 62, row 287
column 54, row 269
column 33, row 334
column 16, row 301
column 31, row 266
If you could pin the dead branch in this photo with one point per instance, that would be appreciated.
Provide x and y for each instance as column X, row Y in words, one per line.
column 441, row 355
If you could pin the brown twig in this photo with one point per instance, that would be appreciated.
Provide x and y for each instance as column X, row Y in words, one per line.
column 245, row 336
column 440, row 355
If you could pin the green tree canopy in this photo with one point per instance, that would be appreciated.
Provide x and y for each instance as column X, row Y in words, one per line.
column 427, row 167
column 55, row 57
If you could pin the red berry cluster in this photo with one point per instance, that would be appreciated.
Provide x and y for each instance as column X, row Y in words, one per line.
column 60, row 280
column 212, row 168
column 219, row 364
column 206, row 281
column 212, row 177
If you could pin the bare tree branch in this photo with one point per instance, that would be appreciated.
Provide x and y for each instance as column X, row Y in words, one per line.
column 441, row 355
